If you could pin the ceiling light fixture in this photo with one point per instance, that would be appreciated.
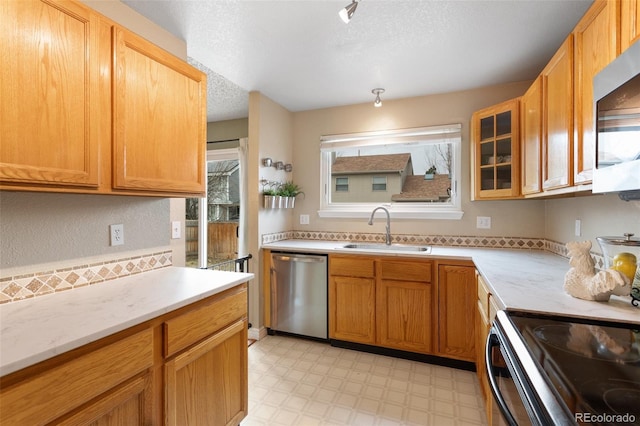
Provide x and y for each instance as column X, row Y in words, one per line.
column 347, row 12
column 378, row 102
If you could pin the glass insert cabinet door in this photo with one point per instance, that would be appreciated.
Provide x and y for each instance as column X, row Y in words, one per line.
column 495, row 143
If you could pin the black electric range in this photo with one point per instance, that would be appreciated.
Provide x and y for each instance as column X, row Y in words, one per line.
column 571, row 371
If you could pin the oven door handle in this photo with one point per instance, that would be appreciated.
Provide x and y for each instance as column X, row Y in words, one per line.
column 492, row 341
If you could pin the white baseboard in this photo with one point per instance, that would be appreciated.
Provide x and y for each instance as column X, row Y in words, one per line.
column 257, row 333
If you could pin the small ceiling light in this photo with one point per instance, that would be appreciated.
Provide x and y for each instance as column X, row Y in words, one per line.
column 378, row 102
column 347, row 13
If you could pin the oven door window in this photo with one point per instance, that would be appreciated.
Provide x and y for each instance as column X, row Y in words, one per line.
column 506, row 387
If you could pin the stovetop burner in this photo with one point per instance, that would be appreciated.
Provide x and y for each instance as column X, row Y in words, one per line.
column 623, row 399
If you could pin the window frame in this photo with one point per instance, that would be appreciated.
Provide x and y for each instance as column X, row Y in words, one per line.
column 401, row 210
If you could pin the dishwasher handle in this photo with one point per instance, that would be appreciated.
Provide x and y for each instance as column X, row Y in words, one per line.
column 299, row 258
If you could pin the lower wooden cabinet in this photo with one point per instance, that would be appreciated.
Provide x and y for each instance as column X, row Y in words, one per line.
column 177, row 369
column 83, row 378
column 402, row 303
column 129, row 404
column 404, row 306
column 352, row 303
column 207, row 384
column 456, row 311
column 485, row 313
column 482, row 331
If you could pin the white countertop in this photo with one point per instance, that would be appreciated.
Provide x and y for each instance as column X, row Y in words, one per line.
column 36, row 329
column 520, row 279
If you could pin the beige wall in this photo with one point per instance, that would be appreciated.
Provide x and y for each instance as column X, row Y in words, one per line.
column 600, row 215
column 270, row 135
column 42, row 228
column 523, row 218
column 227, row 130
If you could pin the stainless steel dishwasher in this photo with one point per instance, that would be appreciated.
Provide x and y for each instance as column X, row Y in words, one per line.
column 299, row 294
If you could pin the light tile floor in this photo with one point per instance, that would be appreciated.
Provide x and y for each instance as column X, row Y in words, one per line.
column 303, row 383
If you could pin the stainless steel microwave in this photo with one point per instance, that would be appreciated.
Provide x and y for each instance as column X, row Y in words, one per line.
column 616, row 94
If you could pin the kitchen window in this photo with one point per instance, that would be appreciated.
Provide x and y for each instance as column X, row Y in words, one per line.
column 415, row 173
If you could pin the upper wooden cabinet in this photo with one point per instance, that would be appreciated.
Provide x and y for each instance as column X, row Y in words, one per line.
column 50, row 94
column 557, row 115
column 629, row 23
column 495, row 144
column 595, row 45
column 95, row 109
column 160, row 124
column 531, row 136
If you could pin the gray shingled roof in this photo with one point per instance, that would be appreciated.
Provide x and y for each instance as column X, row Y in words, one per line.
column 370, row 164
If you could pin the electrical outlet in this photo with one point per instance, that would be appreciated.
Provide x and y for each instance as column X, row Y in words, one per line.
column 483, row 222
column 578, row 228
column 304, row 219
column 116, row 234
column 176, row 228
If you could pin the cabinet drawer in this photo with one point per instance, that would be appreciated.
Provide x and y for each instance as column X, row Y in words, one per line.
column 493, row 309
column 483, row 294
column 75, row 382
column 484, row 315
column 406, row 271
column 351, row 266
column 193, row 326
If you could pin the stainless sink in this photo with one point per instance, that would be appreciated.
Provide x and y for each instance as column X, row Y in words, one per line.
column 385, row 247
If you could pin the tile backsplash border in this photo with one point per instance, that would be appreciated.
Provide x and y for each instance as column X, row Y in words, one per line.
column 28, row 285
column 434, row 240
column 23, row 286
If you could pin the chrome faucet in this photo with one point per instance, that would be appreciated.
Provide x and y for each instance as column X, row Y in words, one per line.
column 388, row 236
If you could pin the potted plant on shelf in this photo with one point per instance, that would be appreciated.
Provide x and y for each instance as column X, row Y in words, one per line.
column 429, row 174
column 270, row 192
column 289, row 191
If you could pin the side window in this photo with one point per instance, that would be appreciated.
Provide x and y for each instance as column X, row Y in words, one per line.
column 413, row 172
column 379, row 183
column 342, row 184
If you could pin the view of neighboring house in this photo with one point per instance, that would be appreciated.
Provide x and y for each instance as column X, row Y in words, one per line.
column 384, row 178
column 369, row 178
column 223, row 188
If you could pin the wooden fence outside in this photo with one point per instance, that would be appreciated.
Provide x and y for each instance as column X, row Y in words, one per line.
column 222, row 240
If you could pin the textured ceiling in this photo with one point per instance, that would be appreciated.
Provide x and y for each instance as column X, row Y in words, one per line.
column 302, row 56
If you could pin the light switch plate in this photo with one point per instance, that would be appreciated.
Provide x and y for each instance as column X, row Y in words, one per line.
column 176, row 227
column 304, row 219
